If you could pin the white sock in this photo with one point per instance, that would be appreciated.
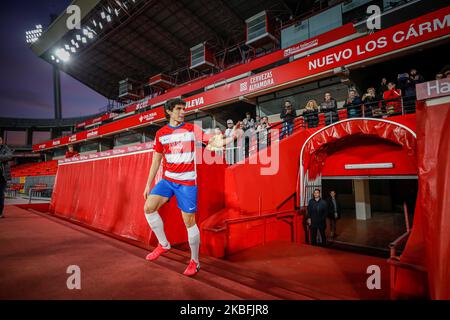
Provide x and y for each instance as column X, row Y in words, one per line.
column 157, row 225
column 194, row 241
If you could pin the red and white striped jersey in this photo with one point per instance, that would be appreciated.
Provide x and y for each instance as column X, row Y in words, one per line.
column 177, row 144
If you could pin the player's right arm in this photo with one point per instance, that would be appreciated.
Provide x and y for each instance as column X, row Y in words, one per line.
column 156, row 162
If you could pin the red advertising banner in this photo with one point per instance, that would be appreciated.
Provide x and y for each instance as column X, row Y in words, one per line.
column 430, row 26
column 110, row 128
column 433, row 89
column 386, row 41
column 109, row 153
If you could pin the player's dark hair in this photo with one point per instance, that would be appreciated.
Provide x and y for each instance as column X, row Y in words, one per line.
column 171, row 103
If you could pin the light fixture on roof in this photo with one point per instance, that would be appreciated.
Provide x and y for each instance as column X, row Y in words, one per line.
column 32, row 36
column 108, row 18
column 116, row 12
column 57, row 60
column 62, row 54
column 77, row 45
column 73, row 49
column 109, row 9
column 100, row 25
column 78, row 37
column 94, row 22
column 103, row 15
column 83, row 40
column 52, row 57
column 67, row 47
column 72, row 41
column 90, row 35
column 85, row 32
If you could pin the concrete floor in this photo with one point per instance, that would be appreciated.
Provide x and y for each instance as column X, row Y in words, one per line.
column 377, row 232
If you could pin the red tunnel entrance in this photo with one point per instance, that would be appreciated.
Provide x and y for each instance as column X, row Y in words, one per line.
column 371, row 164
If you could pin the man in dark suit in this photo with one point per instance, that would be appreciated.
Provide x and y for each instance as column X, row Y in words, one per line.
column 334, row 213
column 317, row 218
column 5, row 172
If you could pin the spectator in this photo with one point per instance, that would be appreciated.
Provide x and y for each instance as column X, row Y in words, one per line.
column 334, row 213
column 311, row 114
column 392, row 98
column 316, row 218
column 353, row 104
column 371, row 104
column 409, row 100
column 70, row 152
column 329, row 107
column 383, row 87
column 287, row 116
column 447, row 74
column 439, row 76
column 414, row 78
column 257, row 121
column 240, row 138
column 229, row 155
column 5, row 172
column 248, row 123
column 262, row 131
column 229, row 130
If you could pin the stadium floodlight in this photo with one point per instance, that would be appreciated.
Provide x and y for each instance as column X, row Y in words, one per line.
column 62, row 54
column 33, row 35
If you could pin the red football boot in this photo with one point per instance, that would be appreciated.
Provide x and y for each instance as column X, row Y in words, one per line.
column 159, row 250
column 192, row 269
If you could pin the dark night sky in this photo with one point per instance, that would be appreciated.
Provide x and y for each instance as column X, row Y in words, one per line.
column 26, row 89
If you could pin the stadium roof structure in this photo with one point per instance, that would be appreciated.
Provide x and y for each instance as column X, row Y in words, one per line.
column 137, row 39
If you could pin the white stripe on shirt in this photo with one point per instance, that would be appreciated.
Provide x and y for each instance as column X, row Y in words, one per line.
column 185, row 157
column 177, row 137
column 182, row 176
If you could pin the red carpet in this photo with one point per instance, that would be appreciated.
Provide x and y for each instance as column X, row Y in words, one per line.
column 35, row 253
column 37, row 249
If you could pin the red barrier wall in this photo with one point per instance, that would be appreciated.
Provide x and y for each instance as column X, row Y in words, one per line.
column 429, row 242
column 107, row 194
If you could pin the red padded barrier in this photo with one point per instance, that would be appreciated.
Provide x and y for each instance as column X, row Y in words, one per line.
column 429, row 242
column 107, row 194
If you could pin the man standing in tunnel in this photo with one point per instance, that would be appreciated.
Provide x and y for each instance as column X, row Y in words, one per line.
column 317, row 218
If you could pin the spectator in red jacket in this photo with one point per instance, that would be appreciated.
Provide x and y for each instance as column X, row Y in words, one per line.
column 393, row 99
column 70, row 152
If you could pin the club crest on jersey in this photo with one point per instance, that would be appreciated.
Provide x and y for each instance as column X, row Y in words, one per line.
column 176, row 147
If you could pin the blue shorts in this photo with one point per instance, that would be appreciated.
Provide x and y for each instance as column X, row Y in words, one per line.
column 186, row 195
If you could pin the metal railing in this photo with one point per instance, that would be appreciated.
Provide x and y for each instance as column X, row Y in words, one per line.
column 253, row 140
